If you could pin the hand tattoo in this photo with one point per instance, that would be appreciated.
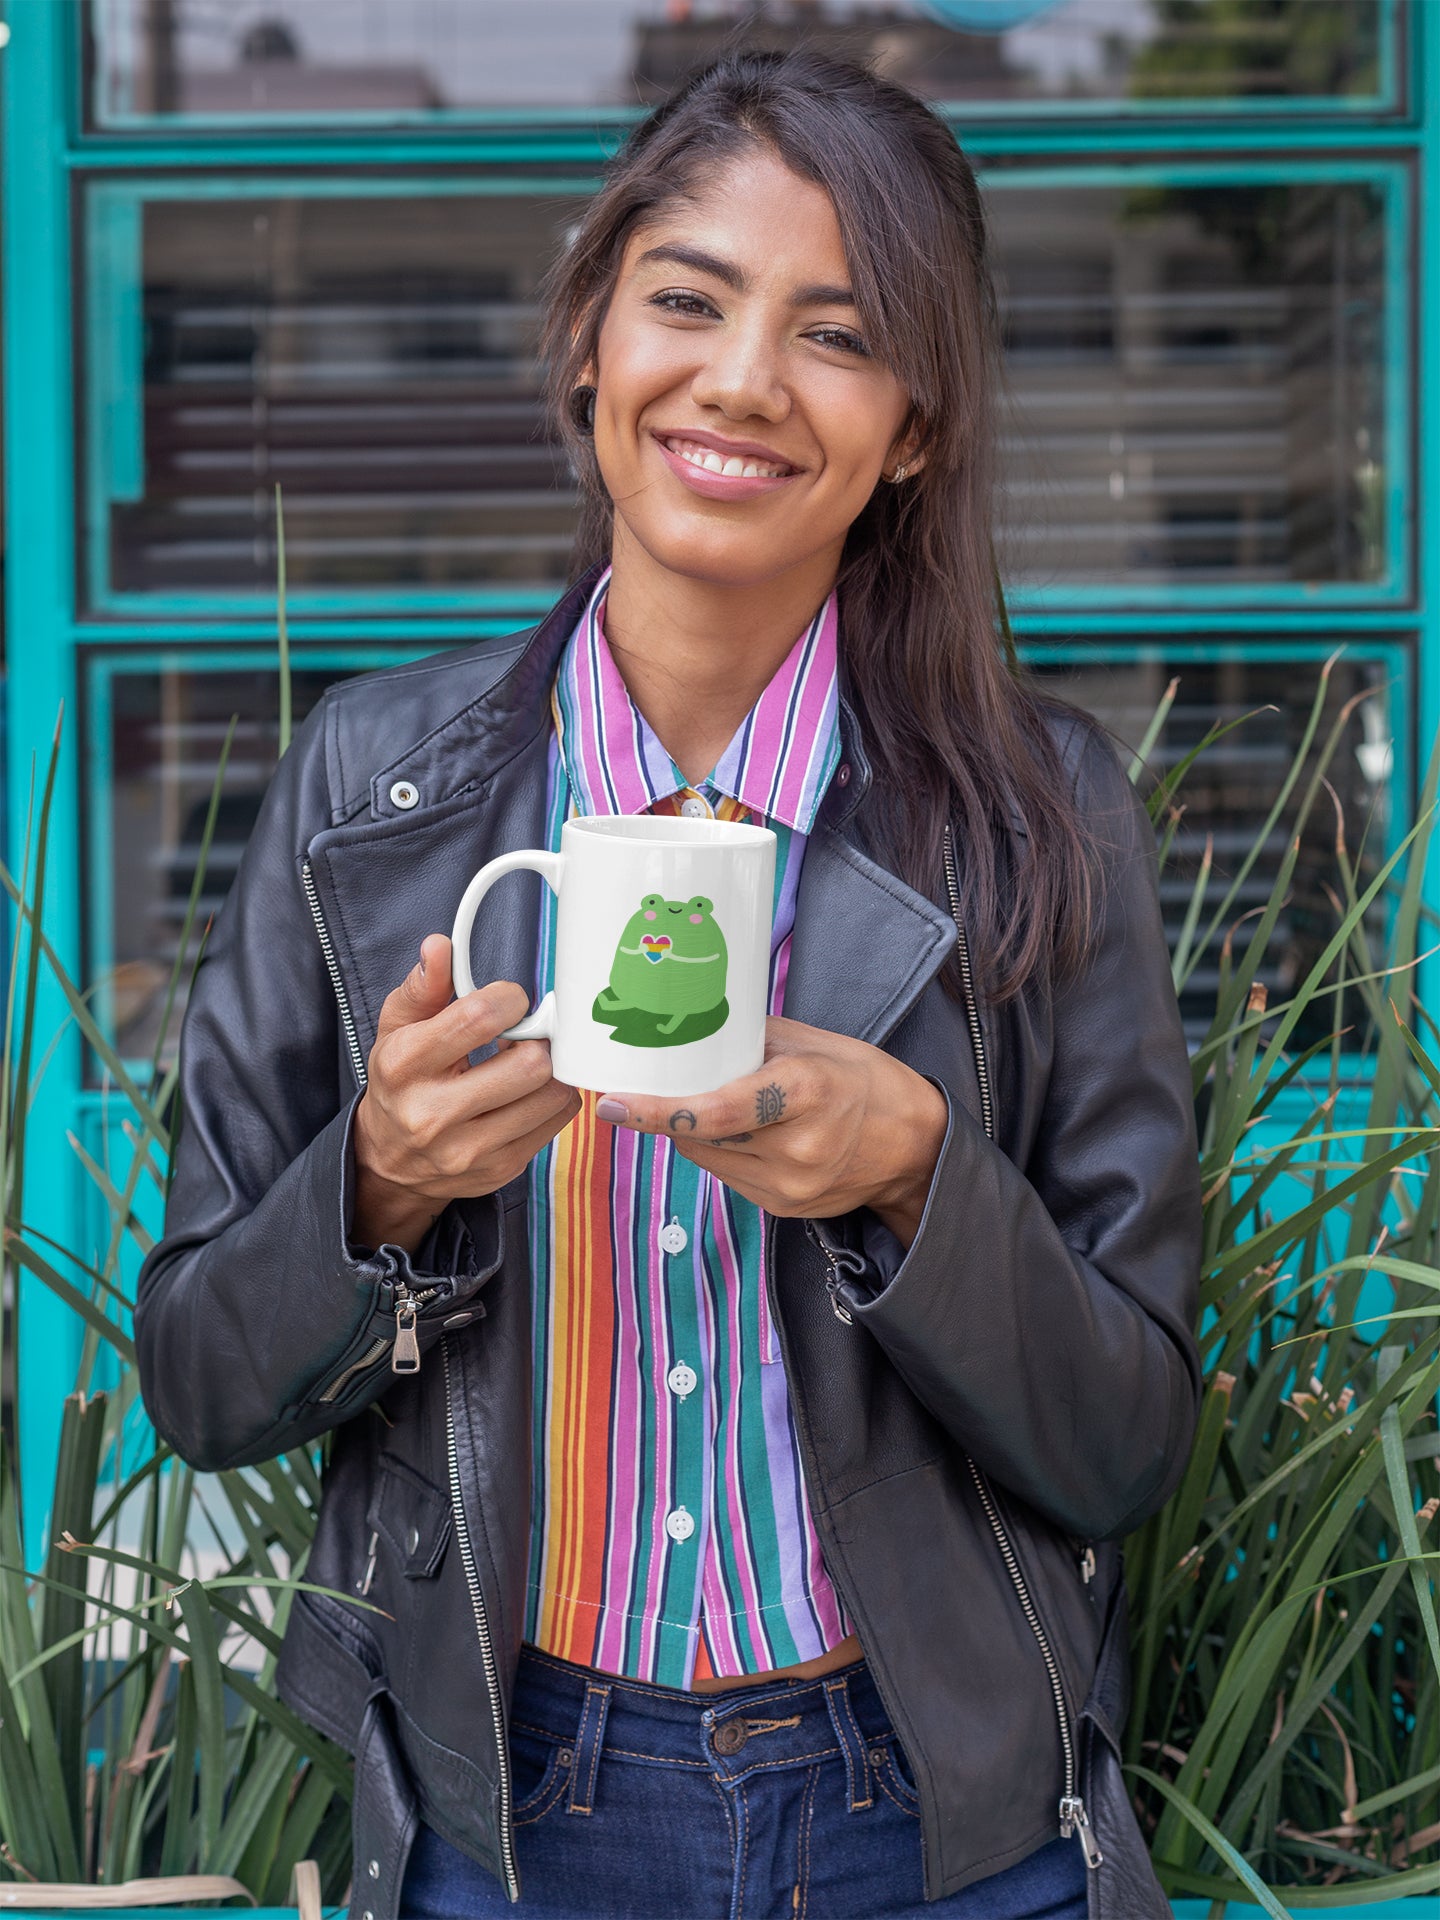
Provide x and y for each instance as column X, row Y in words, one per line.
column 731, row 1140
column 682, row 1117
column 769, row 1104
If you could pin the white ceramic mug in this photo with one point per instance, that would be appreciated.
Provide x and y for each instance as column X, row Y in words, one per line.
column 662, row 951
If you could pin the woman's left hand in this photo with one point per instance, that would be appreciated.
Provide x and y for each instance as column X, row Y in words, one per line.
column 826, row 1125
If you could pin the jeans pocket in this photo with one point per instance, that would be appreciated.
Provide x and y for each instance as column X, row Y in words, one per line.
column 893, row 1775
column 540, row 1772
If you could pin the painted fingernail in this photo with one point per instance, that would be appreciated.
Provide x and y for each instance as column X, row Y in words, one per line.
column 615, row 1111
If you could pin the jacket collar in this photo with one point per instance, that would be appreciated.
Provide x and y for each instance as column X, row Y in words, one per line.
column 481, row 738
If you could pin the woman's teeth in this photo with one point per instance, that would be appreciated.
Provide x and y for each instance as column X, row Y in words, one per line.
column 734, row 466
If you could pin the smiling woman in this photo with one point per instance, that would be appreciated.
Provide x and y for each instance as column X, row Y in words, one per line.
column 789, row 1429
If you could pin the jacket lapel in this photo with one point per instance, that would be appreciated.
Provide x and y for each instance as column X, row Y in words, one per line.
column 865, row 945
column 384, row 884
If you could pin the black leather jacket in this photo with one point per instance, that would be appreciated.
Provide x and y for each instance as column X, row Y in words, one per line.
column 981, row 1420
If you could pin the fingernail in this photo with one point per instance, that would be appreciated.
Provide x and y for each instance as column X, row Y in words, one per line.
column 615, row 1111
column 422, row 959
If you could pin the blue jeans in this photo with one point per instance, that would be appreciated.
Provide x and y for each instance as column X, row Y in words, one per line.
column 781, row 1800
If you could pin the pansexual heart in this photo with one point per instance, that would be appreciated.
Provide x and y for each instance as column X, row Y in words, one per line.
column 653, row 945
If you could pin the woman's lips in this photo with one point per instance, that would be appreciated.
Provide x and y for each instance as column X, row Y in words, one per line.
column 702, row 479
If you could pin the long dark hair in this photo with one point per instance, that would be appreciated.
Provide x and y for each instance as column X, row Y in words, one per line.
column 954, row 727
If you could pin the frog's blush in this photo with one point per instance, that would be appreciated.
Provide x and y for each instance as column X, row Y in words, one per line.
column 697, row 919
column 650, row 915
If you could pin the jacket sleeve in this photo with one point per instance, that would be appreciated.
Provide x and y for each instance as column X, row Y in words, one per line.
column 1045, row 1315
column 255, row 1297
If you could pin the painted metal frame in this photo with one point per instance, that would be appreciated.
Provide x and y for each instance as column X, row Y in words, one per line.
column 1387, row 99
column 111, row 215
column 45, row 151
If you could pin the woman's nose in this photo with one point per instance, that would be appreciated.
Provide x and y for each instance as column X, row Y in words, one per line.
column 742, row 378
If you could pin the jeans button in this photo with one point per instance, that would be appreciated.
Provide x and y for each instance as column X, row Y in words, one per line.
column 730, row 1736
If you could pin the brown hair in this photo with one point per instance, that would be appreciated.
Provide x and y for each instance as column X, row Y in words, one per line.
column 954, row 727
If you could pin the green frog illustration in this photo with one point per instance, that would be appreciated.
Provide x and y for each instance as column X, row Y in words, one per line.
column 667, row 981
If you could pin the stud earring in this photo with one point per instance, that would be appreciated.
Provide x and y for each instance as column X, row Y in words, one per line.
column 899, row 474
column 582, row 410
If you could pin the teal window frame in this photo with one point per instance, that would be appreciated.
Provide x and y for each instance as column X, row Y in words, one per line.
column 1388, row 100
column 111, row 220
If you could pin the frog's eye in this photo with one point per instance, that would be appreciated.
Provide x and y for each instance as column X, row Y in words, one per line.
column 650, row 903
column 700, row 905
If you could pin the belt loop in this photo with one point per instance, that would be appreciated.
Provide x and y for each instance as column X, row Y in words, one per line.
column 852, row 1744
column 588, row 1742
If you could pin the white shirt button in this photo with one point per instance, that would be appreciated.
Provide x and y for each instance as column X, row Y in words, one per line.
column 682, row 1379
column 403, row 795
column 674, row 1238
column 695, row 808
column 679, row 1524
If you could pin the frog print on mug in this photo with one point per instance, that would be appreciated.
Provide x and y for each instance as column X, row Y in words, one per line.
column 667, row 981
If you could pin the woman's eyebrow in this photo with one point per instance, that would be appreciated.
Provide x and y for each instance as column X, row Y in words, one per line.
column 673, row 253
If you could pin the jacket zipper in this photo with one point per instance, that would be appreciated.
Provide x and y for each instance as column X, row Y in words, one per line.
column 352, row 1038
column 1073, row 1817
column 406, row 1359
column 482, row 1634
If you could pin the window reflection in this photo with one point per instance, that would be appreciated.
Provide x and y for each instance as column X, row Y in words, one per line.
column 1197, row 380
column 163, row 735
column 1227, row 794
column 424, row 59
column 374, row 355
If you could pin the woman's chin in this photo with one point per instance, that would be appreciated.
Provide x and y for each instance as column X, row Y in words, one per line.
column 727, row 557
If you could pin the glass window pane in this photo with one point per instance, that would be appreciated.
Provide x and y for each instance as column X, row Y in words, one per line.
column 160, row 732
column 1197, row 391
column 410, row 60
column 1229, row 791
column 1198, row 383
column 372, row 353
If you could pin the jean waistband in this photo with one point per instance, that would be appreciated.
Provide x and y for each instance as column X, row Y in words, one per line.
column 731, row 1733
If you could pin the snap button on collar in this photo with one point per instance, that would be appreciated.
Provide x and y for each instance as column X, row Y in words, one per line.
column 405, row 796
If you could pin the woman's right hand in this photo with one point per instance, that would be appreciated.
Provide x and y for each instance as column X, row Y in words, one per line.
column 431, row 1128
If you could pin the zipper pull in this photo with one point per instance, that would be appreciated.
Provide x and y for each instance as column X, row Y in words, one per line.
column 832, row 1287
column 1087, row 1565
column 406, row 1356
column 363, row 1586
column 1072, row 1817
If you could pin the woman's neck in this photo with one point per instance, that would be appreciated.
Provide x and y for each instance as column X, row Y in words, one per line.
column 696, row 656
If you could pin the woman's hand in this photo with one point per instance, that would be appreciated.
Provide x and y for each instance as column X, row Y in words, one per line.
column 431, row 1128
column 827, row 1124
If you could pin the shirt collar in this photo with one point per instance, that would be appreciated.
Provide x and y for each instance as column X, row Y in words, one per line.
column 778, row 763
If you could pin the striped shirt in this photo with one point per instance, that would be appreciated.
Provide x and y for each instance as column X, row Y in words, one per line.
column 671, row 1538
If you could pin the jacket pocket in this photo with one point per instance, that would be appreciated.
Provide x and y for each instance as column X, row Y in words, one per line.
column 412, row 1516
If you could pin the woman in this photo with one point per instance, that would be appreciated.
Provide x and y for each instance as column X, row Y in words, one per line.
column 740, row 1481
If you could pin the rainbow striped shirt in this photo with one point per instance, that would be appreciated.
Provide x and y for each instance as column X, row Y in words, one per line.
column 670, row 1535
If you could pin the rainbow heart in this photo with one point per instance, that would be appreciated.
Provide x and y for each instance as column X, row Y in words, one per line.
column 653, row 945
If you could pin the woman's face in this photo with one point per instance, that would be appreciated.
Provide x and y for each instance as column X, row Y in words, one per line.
column 740, row 422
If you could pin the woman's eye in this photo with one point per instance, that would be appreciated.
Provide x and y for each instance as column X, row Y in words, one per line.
column 693, row 305
column 841, row 339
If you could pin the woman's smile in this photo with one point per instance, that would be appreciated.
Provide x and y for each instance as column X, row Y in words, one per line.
column 722, row 470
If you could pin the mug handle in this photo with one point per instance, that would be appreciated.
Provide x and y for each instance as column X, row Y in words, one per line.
column 539, row 1025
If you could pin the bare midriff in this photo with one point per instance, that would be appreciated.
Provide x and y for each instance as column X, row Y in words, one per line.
column 848, row 1650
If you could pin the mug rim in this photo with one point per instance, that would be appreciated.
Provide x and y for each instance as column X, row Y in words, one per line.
column 629, row 829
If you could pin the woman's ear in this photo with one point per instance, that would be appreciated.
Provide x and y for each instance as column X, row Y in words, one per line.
column 905, row 458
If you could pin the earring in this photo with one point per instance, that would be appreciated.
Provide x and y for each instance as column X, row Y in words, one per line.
column 899, row 474
column 582, row 410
